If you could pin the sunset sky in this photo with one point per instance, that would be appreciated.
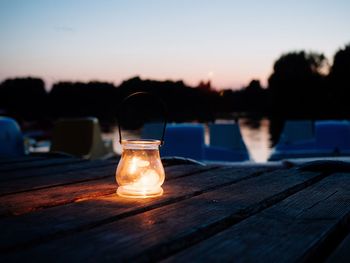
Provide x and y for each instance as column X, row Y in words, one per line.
column 229, row 42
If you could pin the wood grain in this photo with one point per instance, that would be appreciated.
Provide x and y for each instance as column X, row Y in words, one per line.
column 153, row 234
column 9, row 160
column 68, row 174
column 76, row 173
column 38, row 163
column 69, row 187
column 51, row 223
column 298, row 229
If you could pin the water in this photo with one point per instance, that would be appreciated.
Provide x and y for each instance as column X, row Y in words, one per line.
column 257, row 139
column 255, row 135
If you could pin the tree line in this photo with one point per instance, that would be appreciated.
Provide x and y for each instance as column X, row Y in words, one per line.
column 302, row 85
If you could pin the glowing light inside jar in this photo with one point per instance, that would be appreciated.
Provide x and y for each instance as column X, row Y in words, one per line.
column 135, row 163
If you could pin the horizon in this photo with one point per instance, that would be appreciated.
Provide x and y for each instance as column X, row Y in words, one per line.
column 227, row 42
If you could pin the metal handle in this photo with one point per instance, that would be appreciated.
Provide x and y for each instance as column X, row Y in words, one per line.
column 143, row 93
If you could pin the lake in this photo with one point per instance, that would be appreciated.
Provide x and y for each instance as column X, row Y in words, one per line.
column 255, row 135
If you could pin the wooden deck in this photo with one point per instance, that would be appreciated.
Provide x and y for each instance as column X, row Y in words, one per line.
column 66, row 210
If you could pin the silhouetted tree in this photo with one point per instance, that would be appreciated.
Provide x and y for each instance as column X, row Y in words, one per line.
column 183, row 102
column 339, row 81
column 255, row 97
column 204, row 85
column 296, row 84
column 250, row 100
column 254, row 87
column 99, row 99
column 297, row 88
column 24, row 98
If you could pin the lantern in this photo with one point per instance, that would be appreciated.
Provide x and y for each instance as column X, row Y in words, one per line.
column 140, row 173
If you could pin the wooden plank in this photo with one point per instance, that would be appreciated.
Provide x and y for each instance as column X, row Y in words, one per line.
column 342, row 253
column 17, row 181
column 61, row 168
column 151, row 234
column 303, row 227
column 53, row 168
column 26, row 202
column 74, row 173
column 8, row 160
column 4, row 169
column 177, row 171
column 29, row 229
column 99, row 183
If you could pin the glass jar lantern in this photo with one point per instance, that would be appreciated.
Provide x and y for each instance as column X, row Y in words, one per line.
column 140, row 172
